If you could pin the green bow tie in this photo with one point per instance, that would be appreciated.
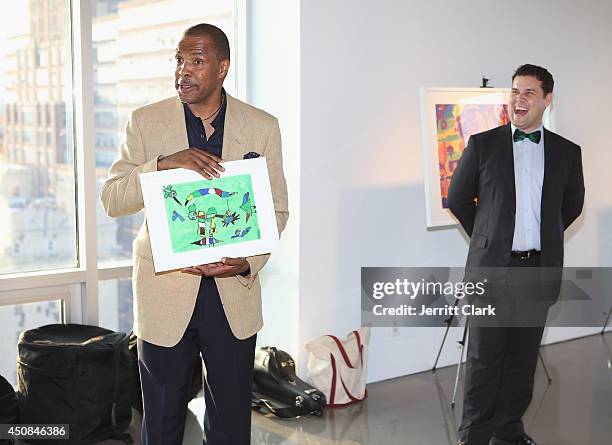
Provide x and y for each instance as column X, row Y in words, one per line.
column 534, row 137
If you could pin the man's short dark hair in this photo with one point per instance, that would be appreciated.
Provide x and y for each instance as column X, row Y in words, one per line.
column 539, row 73
column 216, row 35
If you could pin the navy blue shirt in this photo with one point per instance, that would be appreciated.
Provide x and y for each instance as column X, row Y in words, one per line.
column 196, row 134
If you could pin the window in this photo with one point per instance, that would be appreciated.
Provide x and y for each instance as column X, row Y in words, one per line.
column 36, row 197
column 106, row 119
column 27, row 136
column 115, row 304
column 107, row 140
column 28, row 117
column 105, row 158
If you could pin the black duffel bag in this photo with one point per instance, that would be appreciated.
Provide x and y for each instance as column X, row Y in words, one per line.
column 76, row 375
column 278, row 390
column 9, row 412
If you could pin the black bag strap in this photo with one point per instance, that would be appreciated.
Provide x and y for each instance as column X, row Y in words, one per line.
column 116, row 358
column 123, row 437
column 267, row 406
column 9, row 411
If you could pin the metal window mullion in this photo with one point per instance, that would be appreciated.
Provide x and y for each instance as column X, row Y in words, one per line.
column 26, row 296
column 115, row 273
column 73, row 312
column 241, row 30
column 85, row 156
column 41, row 280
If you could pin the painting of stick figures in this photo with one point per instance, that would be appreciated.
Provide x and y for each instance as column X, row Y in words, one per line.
column 209, row 213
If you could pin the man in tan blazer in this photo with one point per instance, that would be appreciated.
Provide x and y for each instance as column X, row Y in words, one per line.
column 214, row 309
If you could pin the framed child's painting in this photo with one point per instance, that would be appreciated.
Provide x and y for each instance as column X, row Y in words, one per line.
column 193, row 220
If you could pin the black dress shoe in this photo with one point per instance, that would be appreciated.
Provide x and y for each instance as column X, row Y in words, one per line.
column 526, row 440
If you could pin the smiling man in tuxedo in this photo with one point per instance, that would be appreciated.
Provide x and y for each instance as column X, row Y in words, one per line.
column 516, row 189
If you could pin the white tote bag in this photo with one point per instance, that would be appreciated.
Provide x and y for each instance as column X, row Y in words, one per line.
column 338, row 367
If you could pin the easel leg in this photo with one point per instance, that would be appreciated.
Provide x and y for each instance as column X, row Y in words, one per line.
column 462, row 344
column 603, row 330
column 544, row 366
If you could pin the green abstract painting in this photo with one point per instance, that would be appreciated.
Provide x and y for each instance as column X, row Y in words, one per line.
column 208, row 213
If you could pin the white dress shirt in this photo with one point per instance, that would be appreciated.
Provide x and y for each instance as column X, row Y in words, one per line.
column 528, row 180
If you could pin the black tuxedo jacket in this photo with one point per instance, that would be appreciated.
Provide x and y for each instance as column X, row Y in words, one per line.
column 482, row 196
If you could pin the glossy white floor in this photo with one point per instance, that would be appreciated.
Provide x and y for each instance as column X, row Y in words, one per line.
column 575, row 409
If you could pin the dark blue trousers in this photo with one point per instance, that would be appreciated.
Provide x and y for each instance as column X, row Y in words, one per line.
column 501, row 362
column 165, row 375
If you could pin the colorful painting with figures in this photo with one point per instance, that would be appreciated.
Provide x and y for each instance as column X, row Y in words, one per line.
column 209, row 213
column 455, row 124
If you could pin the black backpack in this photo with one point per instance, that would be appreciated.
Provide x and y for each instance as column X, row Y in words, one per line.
column 9, row 410
column 277, row 389
column 76, row 375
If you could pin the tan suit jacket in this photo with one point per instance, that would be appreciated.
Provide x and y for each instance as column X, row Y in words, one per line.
column 164, row 302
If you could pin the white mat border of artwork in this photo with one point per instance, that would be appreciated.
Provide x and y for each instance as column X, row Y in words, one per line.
column 164, row 258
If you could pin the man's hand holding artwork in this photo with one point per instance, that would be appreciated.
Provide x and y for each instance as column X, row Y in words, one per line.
column 227, row 267
column 206, row 164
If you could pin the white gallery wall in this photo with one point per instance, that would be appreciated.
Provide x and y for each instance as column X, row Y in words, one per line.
column 360, row 168
column 273, row 30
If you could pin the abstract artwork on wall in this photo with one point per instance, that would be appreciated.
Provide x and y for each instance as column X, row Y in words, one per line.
column 455, row 123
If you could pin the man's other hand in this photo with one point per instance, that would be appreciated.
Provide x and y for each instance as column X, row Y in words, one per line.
column 193, row 159
column 227, row 267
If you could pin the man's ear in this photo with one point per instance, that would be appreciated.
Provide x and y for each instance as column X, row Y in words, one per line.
column 223, row 68
column 548, row 99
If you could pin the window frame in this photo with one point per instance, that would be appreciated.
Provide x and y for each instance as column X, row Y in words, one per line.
column 77, row 287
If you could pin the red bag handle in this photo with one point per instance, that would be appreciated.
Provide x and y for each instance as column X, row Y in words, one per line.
column 332, row 393
column 345, row 356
